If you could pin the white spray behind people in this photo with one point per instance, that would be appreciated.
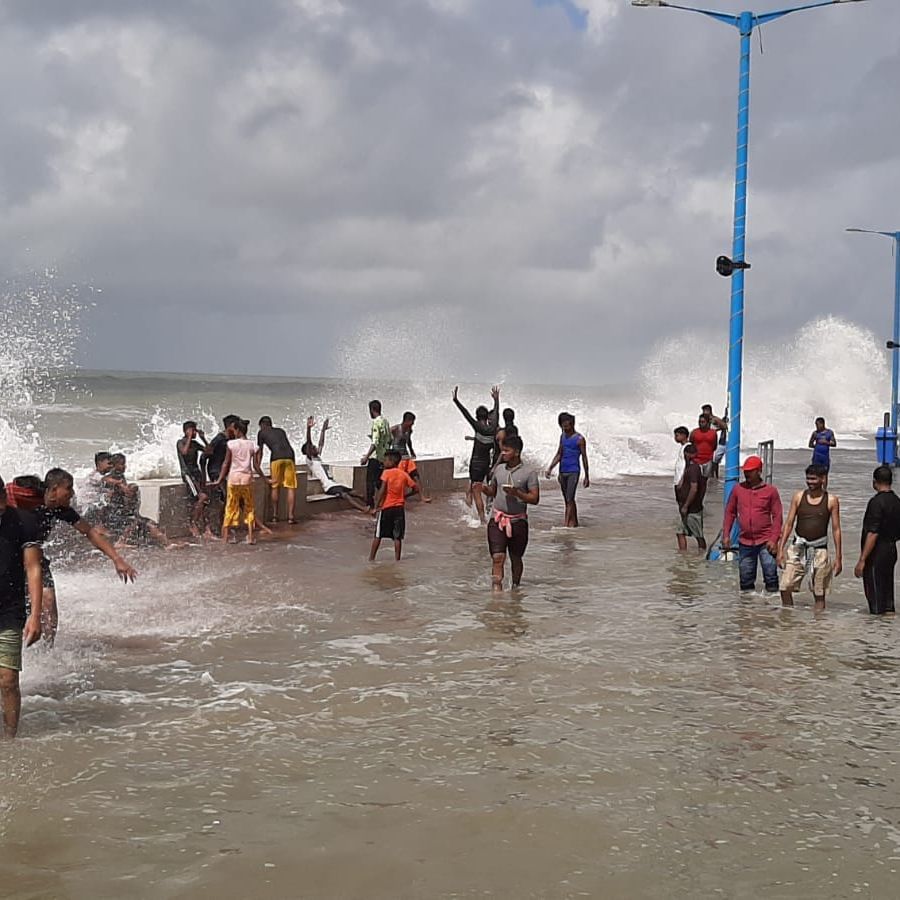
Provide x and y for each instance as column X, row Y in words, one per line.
column 628, row 428
column 829, row 368
column 40, row 328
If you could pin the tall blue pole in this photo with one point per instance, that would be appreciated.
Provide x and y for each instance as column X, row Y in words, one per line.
column 739, row 246
column 895, row 353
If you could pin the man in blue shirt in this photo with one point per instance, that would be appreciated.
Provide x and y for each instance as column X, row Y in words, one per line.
column 820, row 442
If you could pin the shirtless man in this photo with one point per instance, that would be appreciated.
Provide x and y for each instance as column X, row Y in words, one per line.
column 485, row 425
column 812, row 511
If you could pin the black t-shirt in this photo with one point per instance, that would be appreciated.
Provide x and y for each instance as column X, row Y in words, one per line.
column 218, row 450
column 190, row 461
column 16, row 533
column 692, row 475
column 42, row 519
column 882, row 518
column 276, row 440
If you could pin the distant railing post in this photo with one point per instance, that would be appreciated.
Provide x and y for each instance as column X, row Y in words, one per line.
column 766, row 452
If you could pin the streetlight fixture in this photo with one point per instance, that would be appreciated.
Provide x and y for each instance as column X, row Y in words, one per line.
column 745, row 22
column 894, row 344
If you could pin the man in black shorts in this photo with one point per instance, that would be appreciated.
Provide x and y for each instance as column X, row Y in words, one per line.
column 878, row 554
column 20, row 576
column 514, row 486
column 190, row 452
column 485, row 425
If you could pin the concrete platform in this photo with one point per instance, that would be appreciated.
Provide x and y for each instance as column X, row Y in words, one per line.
column 166, row 501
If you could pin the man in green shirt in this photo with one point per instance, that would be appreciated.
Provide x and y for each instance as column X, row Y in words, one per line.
column 374, row 458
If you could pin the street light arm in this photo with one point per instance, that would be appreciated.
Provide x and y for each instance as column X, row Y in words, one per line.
column 727, row 18
column 772, row 16
column 894, row 235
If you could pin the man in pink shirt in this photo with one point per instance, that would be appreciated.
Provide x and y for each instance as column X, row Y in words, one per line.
column 757, row 508
column 240, row 463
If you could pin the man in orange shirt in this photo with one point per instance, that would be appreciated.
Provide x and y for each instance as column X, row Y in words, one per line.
column 390, row 504
column 705, row 439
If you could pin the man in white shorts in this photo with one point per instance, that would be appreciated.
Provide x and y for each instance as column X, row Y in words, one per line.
column 812, row 511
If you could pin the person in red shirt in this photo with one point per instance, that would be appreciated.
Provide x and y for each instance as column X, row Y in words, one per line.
column 390, row 504
column 757, row 508
column 705, row 439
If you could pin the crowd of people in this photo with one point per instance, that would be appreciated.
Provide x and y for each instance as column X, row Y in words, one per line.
column 218, row 475
column 808, row 543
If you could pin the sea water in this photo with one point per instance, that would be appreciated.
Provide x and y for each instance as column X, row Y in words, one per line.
column 291, row 721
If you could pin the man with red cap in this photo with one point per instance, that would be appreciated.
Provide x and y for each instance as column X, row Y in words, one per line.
column 757, row 508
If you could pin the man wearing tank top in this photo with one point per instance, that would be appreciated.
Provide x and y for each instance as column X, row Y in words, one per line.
column 572, row 450
column 811, row 511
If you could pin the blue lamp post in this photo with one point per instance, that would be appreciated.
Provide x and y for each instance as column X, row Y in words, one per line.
column 894, row 344
column 745, row 22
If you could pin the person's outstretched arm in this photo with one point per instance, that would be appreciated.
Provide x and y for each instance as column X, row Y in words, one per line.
column 836, row 534
column 867, row 550
column 310, row 421
column 321, row 444
column 728, row 523
column 788, row 529
column 31, row 557
column 494, row 415
column 226, row 468
column 123, row 569
column 777, row 513
column 258, row 468
column 555, row 461
column 582, row 444
column 466, row 414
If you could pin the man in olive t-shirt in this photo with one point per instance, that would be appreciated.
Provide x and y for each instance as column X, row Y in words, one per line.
column 514, row 486
column 381, row 443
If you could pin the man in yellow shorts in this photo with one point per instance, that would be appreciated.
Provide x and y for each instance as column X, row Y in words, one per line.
column 282, row 465
column 241, row 460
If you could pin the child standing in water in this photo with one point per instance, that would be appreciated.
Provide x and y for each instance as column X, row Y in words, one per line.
column 390, row 505
column 240, row 463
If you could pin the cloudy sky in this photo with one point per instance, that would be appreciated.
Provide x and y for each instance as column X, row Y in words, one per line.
column 460, row 188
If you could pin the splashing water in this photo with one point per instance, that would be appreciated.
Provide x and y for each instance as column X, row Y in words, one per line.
column 829, row 367
column 40, row 323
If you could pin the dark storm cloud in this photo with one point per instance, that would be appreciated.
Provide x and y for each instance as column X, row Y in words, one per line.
column 288, row 170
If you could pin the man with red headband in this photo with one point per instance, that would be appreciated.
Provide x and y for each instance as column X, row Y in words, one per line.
column 757, row 508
